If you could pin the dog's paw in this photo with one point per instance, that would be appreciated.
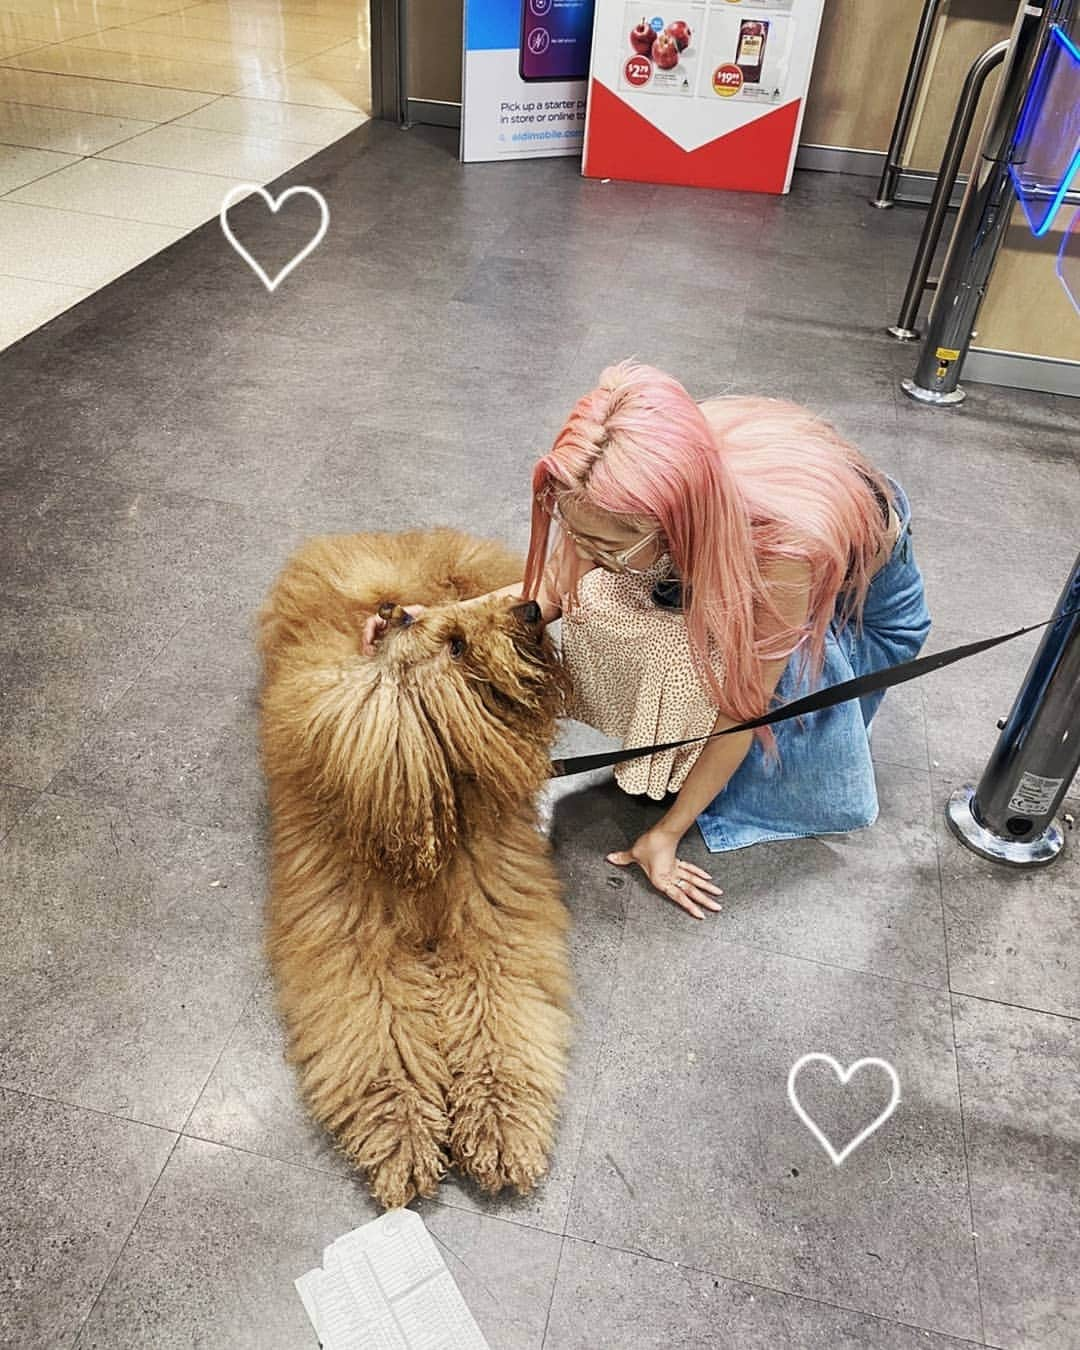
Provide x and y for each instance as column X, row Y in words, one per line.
column 410, row 1172
column 496, row 1150
column 400, row 1159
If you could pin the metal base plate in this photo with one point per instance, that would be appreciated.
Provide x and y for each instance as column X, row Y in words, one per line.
column 932, row 396
column 882, row 203
column 902, row 334
column 1031, row 853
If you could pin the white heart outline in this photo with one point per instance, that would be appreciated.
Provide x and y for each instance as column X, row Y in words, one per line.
column 845, row 1077
column 275, row 207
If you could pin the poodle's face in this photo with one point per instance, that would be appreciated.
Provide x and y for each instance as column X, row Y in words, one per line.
column 480, row 661
column 454, row 713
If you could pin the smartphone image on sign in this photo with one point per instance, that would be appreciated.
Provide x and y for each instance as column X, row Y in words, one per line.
column 555, row 39
column 750, row 53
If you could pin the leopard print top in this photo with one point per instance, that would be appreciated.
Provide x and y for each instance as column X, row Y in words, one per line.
column 633, row 675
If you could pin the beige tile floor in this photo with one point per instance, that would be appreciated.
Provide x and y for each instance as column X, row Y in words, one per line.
column 124, row 124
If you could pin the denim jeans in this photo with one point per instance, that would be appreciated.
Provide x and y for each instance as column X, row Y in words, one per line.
column 823, row 780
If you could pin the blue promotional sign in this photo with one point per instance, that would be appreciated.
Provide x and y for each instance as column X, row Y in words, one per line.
column 524, row 78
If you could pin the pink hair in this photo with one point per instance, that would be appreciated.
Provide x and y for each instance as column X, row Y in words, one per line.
column 735, row 486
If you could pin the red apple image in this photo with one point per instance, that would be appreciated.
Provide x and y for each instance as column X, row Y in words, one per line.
column 680, row 31
column 665, row 51
column 642, row 38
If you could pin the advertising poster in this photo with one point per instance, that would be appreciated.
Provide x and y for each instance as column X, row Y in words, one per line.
column 706, row 93
column 526, row 67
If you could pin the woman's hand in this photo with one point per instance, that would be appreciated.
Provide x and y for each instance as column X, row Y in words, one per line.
column 688, row 886
column 375, row 626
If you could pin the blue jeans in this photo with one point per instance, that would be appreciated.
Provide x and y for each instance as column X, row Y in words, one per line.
column 823, row 780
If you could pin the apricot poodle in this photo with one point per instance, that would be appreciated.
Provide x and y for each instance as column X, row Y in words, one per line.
column 417, row 933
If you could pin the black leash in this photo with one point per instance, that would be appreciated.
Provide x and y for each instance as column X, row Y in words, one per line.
column 823, row 698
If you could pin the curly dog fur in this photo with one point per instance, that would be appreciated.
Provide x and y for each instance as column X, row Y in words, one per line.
column 417, row 933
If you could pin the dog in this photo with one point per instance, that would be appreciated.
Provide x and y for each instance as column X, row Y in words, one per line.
column 416, row 932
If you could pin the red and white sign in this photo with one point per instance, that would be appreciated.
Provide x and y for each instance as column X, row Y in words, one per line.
column 708, row 93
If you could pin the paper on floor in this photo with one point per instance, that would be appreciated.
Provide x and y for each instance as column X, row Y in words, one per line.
column 386, row 1287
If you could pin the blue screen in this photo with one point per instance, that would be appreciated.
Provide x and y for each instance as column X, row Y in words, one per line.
column 555, row 39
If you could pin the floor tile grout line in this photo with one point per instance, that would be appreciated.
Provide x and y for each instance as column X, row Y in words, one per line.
column 495, row 1218
column 596, row 1065
column 10, row 63
column 124, row 1246
column 773, row 1289
column 297, row 103
column 972, row 1229
column 63, row 285
column 74, row 44
column 82, row 1106
column 212, row 131
column 95, row 154
column 77, row 44
column 356, row 1179
column 832, row 965
column 1020, row 1007
column 107, row 79
column 185, row 228
column 211, row 96
column 967, row 1173
column 554, row 1289
column 150, row 1194
column 227, row 42
column 249, row 999
column 76, row 159
column 100, row 156
column 78, row 112
column 181, row 231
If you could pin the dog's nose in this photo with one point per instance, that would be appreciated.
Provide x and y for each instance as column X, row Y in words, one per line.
column 394, row 615
column 528, row 613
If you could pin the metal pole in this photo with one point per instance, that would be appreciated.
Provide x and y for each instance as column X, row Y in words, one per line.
column 904, row 328
column 386, row 76
column 984, row 216
column 1009, row 817
column 403, row 62
column 886, row 193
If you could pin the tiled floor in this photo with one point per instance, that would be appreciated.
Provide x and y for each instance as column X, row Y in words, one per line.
column 123, row 126
column 163, row 447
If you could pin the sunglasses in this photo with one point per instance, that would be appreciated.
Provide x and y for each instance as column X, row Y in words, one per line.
column 617, row 562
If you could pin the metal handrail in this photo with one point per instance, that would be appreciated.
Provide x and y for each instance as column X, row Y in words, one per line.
column 886, row 193
column 904, row 328
column 984, row 213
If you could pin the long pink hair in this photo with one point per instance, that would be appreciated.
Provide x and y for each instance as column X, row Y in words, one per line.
column 758, row 481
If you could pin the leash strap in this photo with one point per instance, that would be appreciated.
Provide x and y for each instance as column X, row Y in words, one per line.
column 823, row 698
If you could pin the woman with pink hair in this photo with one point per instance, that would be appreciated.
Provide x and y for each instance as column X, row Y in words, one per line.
column 709, row 560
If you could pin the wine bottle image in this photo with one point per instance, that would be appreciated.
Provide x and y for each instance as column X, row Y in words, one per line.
column 750, row 53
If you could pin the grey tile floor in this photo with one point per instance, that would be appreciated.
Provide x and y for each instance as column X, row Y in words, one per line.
column 162, row 448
